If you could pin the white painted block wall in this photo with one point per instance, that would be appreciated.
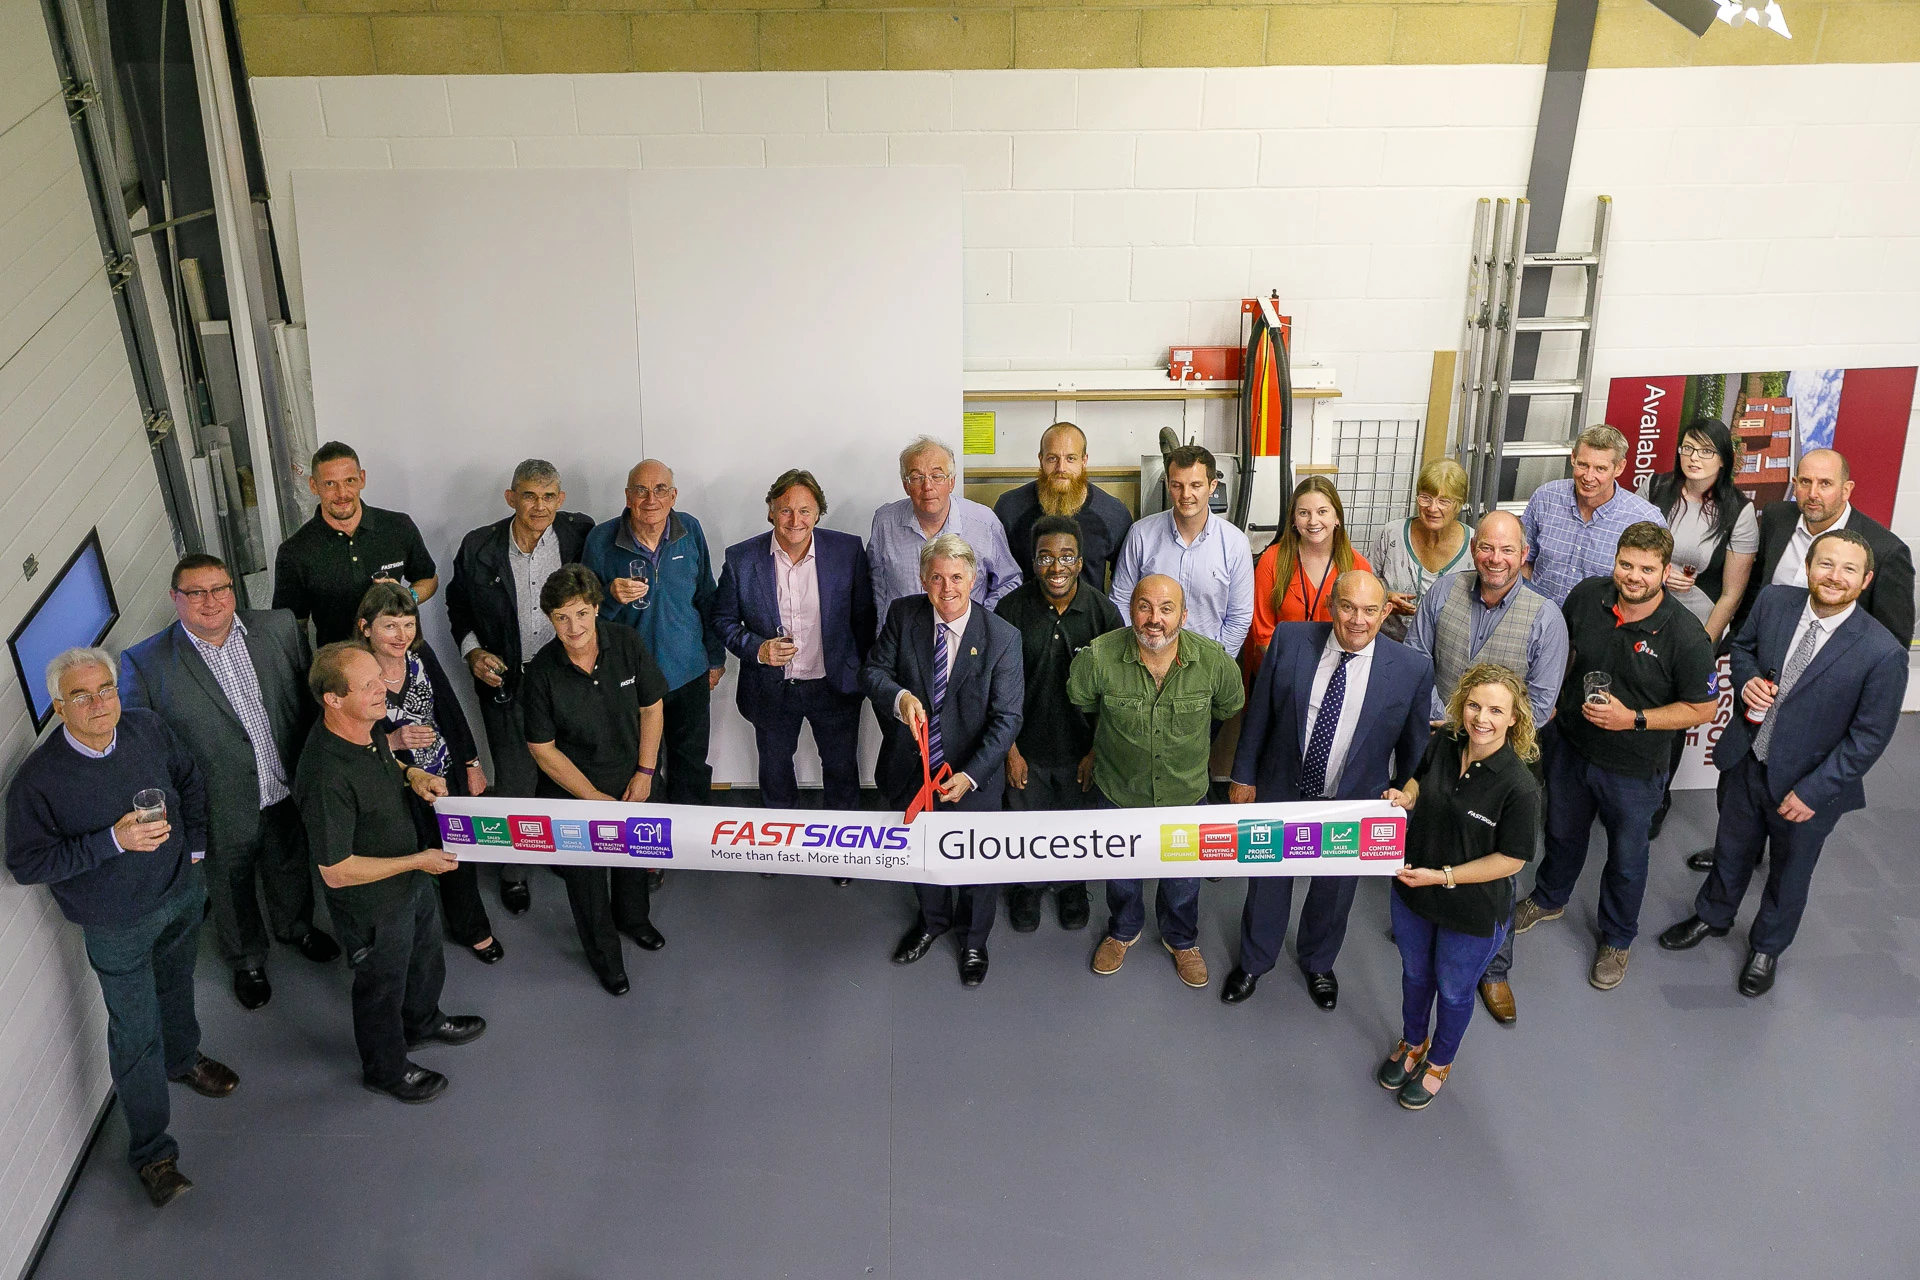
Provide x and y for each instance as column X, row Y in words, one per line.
column 75, row 456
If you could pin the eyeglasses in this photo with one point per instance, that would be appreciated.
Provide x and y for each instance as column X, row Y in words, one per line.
column 660, row 491
column 1434, row 502
column 81, row 701
column 918, row 478
column 1698, row 451
column 1048, row 562
column 203, row 595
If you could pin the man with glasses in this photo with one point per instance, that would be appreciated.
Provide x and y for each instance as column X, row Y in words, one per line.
column 1062, row 489
column 493, row 609
column 901, row 528
column 111, row 814
column 659, row 579
column 231, row 683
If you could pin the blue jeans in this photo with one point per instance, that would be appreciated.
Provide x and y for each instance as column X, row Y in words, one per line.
column 1437, row 963
column 1582, row 790
column 1176, row 906
column 146, row 976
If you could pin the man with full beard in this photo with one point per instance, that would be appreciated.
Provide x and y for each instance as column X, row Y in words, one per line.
column 1061, row 489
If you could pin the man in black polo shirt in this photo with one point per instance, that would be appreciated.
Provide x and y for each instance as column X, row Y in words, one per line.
column 1608, row 746
column 323, row 570
column 352, row 798
column 594, row 719
column 1051, row 764
column 1062, row 489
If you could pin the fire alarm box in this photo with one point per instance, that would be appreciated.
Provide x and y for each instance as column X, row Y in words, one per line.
column 1205, row 364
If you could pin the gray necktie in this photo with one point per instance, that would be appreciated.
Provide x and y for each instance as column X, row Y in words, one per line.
column 1796, row 664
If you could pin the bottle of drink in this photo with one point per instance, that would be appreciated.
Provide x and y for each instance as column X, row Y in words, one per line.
column 1756, row 714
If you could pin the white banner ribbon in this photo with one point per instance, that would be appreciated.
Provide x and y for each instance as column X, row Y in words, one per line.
column 1323, row 838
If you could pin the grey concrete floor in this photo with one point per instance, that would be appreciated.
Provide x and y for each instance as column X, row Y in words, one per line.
column 774, row 1099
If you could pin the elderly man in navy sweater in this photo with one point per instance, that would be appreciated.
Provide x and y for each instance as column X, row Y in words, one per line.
column 74, row 824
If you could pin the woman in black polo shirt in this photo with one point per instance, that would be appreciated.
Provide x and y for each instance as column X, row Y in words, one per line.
column 1475, row 818
column 593, row 722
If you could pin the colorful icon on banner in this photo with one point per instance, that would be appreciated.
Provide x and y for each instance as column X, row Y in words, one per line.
column 455, row 828
column 1340, row 839
column 1259, row 840
column 532, row 832
column 1302, row 840
column 650, row 837
column 1383, row 838
column 607, row 837
column 1180, row 842
column 1219, row 841
column 491, row 831
column 570, row 834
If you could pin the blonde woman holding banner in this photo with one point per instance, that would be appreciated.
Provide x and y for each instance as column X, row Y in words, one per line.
column 1474, row 819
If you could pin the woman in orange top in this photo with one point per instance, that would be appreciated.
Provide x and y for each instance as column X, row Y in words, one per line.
column 1293, row 580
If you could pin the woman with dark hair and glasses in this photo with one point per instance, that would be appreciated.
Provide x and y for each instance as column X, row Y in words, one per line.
column 426, row 729
column 1715, row 540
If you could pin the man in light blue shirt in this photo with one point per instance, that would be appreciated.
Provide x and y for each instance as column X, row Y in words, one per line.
column 1210, row 558
column 928, row 473
column 1573, row 527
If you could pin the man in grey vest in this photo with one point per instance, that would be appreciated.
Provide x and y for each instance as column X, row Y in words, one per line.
column 1492, row 614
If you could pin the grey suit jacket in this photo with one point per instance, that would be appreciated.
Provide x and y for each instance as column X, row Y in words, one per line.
column 166, row 674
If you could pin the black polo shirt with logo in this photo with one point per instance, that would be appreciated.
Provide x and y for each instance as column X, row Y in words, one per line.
column 323, row 574
column 1662, row 659
column 352, row 799
column 1494, row 807
column 593, row 719
column 1055, row 732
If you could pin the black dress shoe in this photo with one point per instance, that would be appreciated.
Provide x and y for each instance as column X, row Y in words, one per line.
column 648, row 938
column 1239, row 985
column 1023, row 908
column 489, row 954
column 655, row 878
column 452, row 1029
column 1690, row 932
column 973, row 966
column 208, row 1078
column 617, row 985
column 1073, row 907
column 416, row 1084
column 164, row 1181
column 1324, row 988
column 515, row 896
column 251, row 988
column 914, row 943
column 1756, row 978
column 842, row 882
column 317, row 946
column 1701, row 861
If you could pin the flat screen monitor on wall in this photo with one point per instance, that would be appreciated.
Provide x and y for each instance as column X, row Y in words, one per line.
column 76, row 609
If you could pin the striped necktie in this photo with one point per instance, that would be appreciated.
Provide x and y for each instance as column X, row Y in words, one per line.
column 1796, row 665
column 934, row 752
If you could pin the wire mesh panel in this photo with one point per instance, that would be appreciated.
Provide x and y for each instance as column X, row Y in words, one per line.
column 1377, row 460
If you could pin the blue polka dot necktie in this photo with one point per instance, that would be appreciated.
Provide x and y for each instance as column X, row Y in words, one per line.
column 1313, row 770
column 934, row 752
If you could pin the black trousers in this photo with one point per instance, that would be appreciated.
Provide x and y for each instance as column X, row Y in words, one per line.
column 514, row 772
column 1050, row 788
column 1323, row 922
column 605, row 905
column 275, row 859
column 398, row 970
column 686, row 777
column 835, row 718
column 459, row 889
column 1749, row 822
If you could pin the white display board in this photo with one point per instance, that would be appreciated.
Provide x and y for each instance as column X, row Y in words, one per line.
column 731, row 322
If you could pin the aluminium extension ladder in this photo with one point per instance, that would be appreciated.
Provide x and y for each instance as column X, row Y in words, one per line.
column 1485, row 380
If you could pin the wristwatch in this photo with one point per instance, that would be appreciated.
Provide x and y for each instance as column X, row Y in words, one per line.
column 1639, row 719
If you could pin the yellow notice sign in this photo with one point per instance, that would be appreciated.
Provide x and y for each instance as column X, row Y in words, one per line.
column 977, row 433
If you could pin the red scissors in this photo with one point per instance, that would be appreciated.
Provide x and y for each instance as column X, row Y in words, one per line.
column 930, row 780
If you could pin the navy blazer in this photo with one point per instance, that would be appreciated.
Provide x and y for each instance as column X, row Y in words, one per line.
column 1889, row 597
column 986, row 694
column 1840, row 714
column 1387, row 743
column 747, row 611
column 166, row 674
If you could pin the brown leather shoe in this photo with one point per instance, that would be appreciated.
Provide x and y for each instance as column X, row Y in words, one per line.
column 1498, row 997
column 1110, row 955
column 1609, row 967
column 164, row 1181
column 208, row 1078
column 1189, row 963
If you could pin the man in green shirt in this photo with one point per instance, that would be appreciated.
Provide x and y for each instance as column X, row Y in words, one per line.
column 1155, row 692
